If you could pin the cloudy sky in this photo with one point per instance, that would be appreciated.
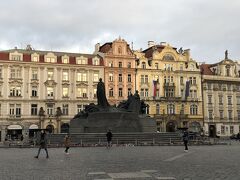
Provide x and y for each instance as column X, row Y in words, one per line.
column 207, row 27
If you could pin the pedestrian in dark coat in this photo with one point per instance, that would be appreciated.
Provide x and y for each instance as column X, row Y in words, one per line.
column 43, row 143
column 185, row 140
column 109, row 138
column 67, row 143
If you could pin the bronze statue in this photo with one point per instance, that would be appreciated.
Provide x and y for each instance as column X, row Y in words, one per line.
column 226, row 54
column 101, row 96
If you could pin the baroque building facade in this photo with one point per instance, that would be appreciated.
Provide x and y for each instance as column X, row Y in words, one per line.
column 120, row 74
column 221, row 95
column 44, row 89
column 170, row 83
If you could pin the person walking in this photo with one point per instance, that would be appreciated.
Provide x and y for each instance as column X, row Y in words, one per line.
column 67, row 143
column 43, row 143
column 109, row 138
column 185, row 140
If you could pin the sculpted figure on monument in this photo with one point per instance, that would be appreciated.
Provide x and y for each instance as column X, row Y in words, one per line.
column 134, row 103
column 101, row 96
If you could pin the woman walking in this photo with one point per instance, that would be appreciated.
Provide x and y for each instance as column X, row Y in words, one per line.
column 43, row 143
column 67, row 143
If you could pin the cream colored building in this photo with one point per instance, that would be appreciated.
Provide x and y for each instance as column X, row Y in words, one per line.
column 61, row 83
column 221, row 95
column 119, row 68
column 170, row 83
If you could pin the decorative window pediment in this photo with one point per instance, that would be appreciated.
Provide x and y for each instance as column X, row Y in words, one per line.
column 168, row 57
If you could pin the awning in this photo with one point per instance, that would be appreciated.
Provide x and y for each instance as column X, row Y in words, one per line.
column 14, row 127
column 33, row 126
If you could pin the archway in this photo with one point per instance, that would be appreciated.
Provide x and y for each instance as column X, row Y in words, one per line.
column 171, row 127
column 32, row 129
column 50, row 128
column 212, row 131
column 65, row 128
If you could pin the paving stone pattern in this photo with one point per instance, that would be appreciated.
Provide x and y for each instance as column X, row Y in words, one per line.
column 122, row 163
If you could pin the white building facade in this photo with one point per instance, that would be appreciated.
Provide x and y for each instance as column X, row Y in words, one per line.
column 44, row 90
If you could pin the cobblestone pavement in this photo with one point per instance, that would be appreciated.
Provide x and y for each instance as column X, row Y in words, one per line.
column 143, row 163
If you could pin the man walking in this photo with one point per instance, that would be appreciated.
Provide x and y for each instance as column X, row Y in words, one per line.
column 185, row 140
column 43, row 143
column 67, row 143
column 109, row 138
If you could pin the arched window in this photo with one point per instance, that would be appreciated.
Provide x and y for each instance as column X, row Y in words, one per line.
column 143, row 65
column 171, row 109
column 157, row 109
column 193, row 109
column 50, row 128
column 227, row 70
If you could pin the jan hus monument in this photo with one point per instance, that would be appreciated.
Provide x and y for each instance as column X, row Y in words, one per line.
column 128, row 116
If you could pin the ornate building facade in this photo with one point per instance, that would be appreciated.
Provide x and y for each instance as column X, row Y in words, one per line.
column 119, row 68
column 44, row 90
column 170, row 83
column 221, row 95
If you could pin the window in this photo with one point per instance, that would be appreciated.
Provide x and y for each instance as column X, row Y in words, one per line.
column 182, row 109
column 82, row 92
column 171, row 109
column 50, row 74
column 111, row 77
column 110, row 64
column 210, row 114
column 120, row 92
column 229, row 87
column 182, row 93
column 209, row 86
column 231, row 129
column 146, row 78
column 230, row 114
column 181, row 80
column 50, row 109
column 156, row 65
column 15, row 72
column 229, row 100
column 129, row 78
column 81, row 60
column 238, row 115
column 157, row 93
column 209, row 99
column 15, row 91
column 129, row 65
column 96, row 61
column 65, row 92
column 129, row 91
column 120, row 64
column 50, row 59
column 181, row 67
column 193, row 80
column 34, row 74
column 65, row 109
column 15, row 110
column 157, row 109
column 222, row 129
column 221, row 115
column 94, row 93
column 16, row 57
column 82, row 76
column 50, row 91
column 193, row 109
column 144, row 93
column 220, row 98
column 143, row 65
column 65, row 60
column 227, row 71
column 65, row 76
column 120, row 77
column 34, row 91
column 111, row 92
column 34, row 109
column 35, row 58
column 95, row 77
column 169, row 92
column 80, row 107
column 238, row 100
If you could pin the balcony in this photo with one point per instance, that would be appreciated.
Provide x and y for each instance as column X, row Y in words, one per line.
column 14, row 117
column 169, row 84
column 50, row 98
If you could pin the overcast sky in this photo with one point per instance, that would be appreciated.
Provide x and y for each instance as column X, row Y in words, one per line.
column 207, row 27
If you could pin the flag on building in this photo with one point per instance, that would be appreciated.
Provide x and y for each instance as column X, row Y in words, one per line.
column 187, row 89
column 155, row 88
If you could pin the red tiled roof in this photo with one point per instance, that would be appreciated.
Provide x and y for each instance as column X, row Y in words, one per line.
column 205, row 69
column 149, row 51
column 105, row 47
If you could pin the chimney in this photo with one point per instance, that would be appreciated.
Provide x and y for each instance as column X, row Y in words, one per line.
column 186, row 53
column 151, row 43
column 97, row 47
column 163, row 43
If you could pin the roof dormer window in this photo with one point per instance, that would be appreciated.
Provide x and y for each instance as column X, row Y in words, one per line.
column 95, row 61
